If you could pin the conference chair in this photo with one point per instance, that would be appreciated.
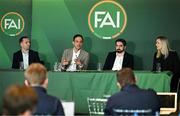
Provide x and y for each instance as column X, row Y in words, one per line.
column 96, row 106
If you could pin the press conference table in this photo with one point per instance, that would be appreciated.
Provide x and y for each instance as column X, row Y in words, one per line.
column 77, row 86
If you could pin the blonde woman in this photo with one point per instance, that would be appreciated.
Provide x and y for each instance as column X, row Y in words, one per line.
column 166, row 59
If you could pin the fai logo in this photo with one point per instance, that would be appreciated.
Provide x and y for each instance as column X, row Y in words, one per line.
column 107, row 19
column 12, row 24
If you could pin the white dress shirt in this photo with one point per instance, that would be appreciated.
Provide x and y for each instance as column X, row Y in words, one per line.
column 25, row 59
column 72, row 66
column 118, row 61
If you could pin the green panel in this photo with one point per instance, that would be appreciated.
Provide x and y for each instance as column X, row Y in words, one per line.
column 51, row 29
column 147, row 81
column 8, row 44
column 56, row 21
column 64, row 91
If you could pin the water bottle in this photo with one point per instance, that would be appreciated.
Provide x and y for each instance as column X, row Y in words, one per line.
column 59, row 66
column 99, row 66
column 21, row 65
column 55, row 66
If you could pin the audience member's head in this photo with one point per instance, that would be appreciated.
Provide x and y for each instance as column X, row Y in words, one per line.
column 125, row 76
column 162, row 46
column 120, row 45
column 36, row 75
column 78, row 41
column 19, row 100
column 24, row 43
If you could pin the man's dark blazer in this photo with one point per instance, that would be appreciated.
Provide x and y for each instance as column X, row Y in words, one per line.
column 17, row 58
column 128, row 61
column 131, row 97
column 47, row 105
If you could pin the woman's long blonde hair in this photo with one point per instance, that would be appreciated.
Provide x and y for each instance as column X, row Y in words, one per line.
column 165, row 47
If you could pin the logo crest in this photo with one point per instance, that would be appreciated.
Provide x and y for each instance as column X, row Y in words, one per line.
column 12, row 24
column 107, row 19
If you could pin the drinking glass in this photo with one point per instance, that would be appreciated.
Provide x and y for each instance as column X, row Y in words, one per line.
column 158, row 67
column 99, row 66
column 21, row 65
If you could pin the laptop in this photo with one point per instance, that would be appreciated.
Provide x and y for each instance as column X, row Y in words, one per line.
column 168, row 102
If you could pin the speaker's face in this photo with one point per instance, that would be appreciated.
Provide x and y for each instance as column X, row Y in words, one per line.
column 78, row 42
column 158, row 44
column 25, row 44
column 120, row 47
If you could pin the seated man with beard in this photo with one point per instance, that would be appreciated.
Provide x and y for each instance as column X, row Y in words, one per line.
column 120, row 58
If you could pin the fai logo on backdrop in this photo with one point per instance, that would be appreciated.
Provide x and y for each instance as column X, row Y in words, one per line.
column 12, row 24
column 107, row 19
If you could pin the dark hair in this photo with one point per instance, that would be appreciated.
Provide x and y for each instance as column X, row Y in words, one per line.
column 21, row 39
column 18, row 99
column 121, row 40
column 125, row 76
column 78, row 35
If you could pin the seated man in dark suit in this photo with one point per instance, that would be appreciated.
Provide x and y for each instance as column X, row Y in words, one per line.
column 25, row 55
column 131, row 97
column 36, row 77
column 119, row 58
